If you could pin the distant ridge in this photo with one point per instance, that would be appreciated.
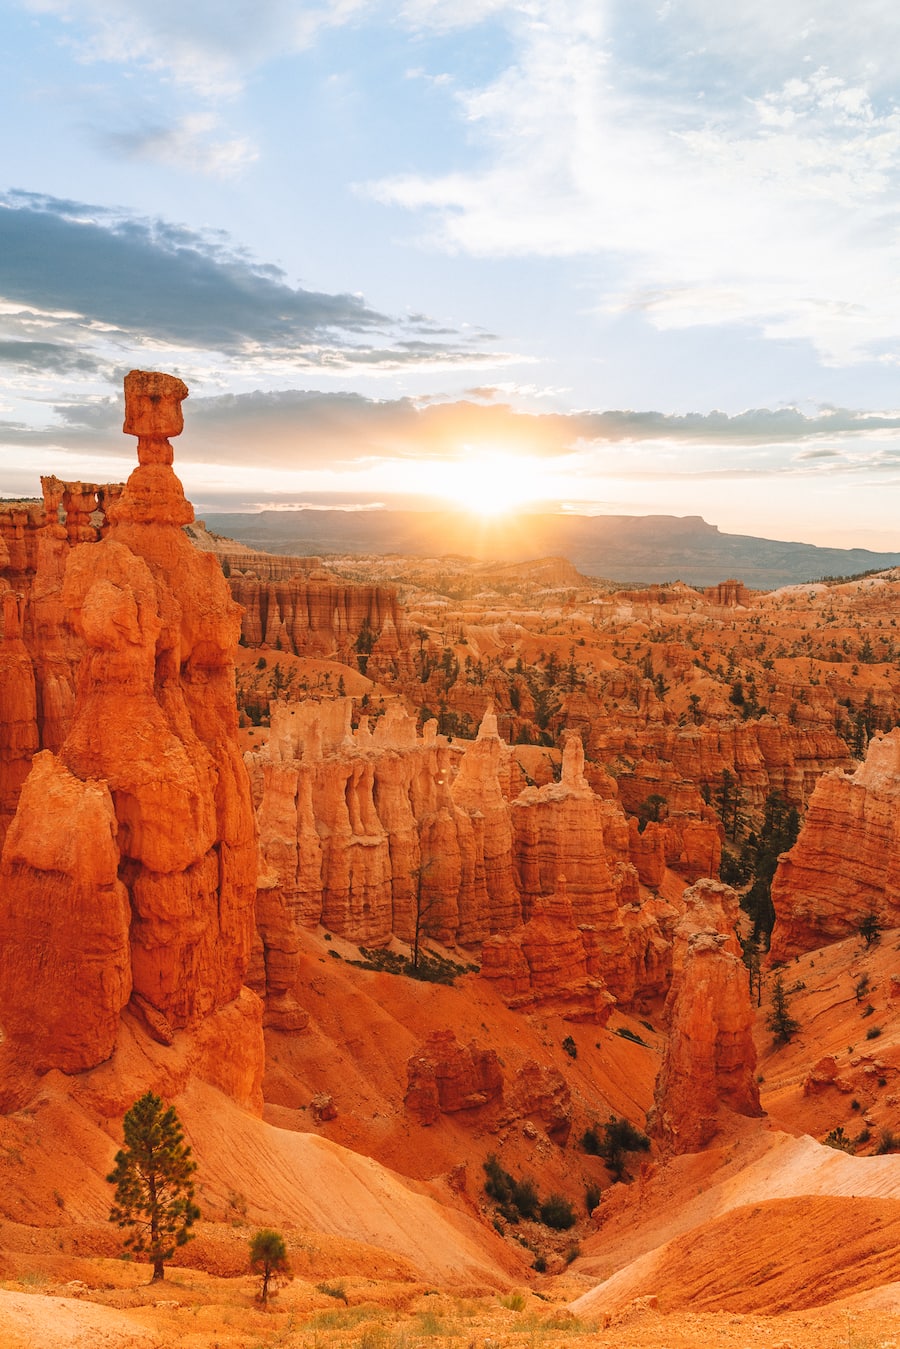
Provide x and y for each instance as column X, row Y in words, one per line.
column 627, row 548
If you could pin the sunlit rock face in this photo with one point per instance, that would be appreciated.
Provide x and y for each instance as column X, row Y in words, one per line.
column 845, row 863
column 132, row 854
column 709, row 1063
column 378, row 832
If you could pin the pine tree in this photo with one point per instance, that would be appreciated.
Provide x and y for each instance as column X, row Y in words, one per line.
column 268, row 1259
column 779, row 1021
column 154, row 1190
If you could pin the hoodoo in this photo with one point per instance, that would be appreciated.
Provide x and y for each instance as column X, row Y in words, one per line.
column 129, row 868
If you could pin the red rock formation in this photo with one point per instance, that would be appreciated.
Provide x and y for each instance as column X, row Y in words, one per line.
column 378, row 833
column 18, row 699
column 148, row 782
column 710, row 1057
column 729, row 594
column 359, row 831
column 445, row 1077
column 314, row 614
column 538, row 1092
column 844, row 864
column 550, row 963
column 65, row 966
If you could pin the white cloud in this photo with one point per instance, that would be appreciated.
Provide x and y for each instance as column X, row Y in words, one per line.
column 660, row 153
column 205, row 46
column 194, row 144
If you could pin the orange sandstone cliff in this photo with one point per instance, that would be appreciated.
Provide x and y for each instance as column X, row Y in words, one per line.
column 844, row 865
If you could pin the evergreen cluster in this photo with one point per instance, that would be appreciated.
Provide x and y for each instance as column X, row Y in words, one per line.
column 516, row 1199
column 613, row 1141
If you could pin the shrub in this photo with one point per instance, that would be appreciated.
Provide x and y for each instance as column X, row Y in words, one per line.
column 873, row 1032
column 539, row 1264
column 572, row 1252
column 870, row 929
column 570, row 1047
column 513, row 1302
column 335, row 1290
column 592, row 1197
column 591, row 1142
column 557, row 1212
column 619, row 1137
column 838, row 1139
column 888, row 1141
column 628, row 1034
column 525, row 1197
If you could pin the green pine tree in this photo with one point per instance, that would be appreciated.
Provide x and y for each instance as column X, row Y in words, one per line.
column 779, row 1021
column 154, row 1190
column 268, row 1259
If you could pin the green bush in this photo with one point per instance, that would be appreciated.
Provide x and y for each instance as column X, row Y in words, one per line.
column 570, row 1047
column 628, row 1034
column 557, row 1212
column 619, row 1137
column 525, row 1197
column 839, row 1140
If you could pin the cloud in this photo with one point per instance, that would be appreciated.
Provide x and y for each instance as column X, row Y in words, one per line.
column 725, row 165
column 47, row 358
column 167, row 282
column 211, row 47
column 301, row 429
column 205, row 46
column 129, row 290
column 193, row 144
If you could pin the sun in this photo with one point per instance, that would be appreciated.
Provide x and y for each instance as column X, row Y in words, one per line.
column 488, row 482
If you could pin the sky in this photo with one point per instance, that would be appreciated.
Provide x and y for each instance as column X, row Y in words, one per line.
column 610, row 256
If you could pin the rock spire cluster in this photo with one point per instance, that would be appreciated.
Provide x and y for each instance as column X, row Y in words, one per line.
column 128, row 871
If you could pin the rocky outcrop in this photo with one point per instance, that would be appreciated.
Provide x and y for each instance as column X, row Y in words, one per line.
column 65, row 962
column 710, row 1058
column 728, row 594
column 550, row 962
column 678, row 763
column 538, row 1092
column 445, row 1077
column 844, row 864
column 314, row 614
column 146, row 878
column 378, row 832
column 18, row 698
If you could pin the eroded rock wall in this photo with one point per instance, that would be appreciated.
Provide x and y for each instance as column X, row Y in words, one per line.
column 377, row 833
column 845, row 863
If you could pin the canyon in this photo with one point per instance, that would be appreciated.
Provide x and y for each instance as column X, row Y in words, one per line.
column 382, row 867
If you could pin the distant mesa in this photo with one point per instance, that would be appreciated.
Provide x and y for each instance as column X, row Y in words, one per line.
column 628, row 549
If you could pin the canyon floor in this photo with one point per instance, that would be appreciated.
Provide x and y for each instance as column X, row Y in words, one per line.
column 766, row 1237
